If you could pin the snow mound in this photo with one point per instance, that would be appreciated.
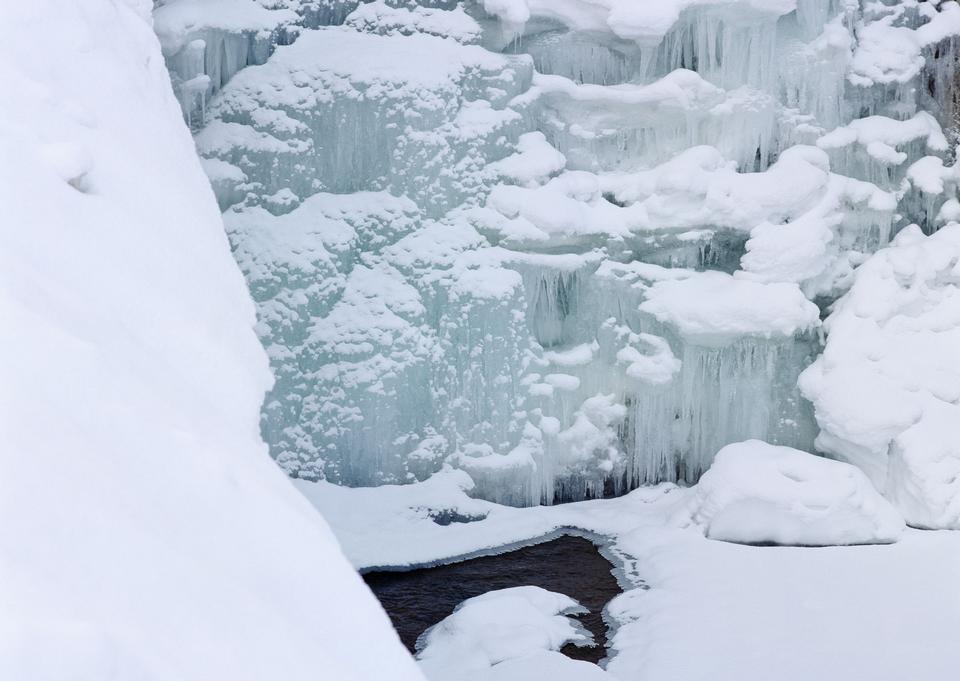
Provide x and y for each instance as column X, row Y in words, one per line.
column 756, row 493
column 502, row 625
column 887, row 387
column 146, row 532
column 541, row 666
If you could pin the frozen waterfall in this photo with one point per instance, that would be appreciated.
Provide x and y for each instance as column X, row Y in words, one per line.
column 570, row 248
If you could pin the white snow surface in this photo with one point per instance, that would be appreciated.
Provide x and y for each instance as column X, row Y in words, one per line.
column 887, row 385
column 644, row 22
column 498, row 626
column 758, row 493
column 713, row 307
column 693, row 608
column 146, row 534
column 175, row 20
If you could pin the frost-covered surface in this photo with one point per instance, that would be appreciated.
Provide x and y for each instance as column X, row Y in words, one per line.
column 694, row 608
column 755, row 493
column 499, row 627
column 570, row 247
column 886, row 387
column 146, row 533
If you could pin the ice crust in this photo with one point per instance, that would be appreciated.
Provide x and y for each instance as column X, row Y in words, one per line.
column 588, row 244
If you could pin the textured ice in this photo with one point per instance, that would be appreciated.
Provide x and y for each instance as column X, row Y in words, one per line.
column 341, row 110
column 569, row 247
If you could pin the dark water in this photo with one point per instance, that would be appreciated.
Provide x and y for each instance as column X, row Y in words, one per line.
column 418, row 599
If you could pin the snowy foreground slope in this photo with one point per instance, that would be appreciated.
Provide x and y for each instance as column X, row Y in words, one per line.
column 145, row 533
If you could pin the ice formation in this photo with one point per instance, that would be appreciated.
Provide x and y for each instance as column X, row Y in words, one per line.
column 569, row 247
column 146, row 533
column 756, row 493
column 886, row 388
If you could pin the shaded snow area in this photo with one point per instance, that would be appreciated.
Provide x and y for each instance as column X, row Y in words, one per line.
column 146, row 533
column 572, row 247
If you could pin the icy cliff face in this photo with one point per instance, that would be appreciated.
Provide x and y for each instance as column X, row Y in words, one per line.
column 569, row 247
column 146, row 534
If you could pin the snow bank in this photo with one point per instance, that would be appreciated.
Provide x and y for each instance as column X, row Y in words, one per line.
column 757, row 493
column 146, row 532
column 715, row 611
column 887, row 386
column 498, row 626
column 693, row 608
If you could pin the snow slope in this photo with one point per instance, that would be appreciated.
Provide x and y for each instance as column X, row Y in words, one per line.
column 146, row 534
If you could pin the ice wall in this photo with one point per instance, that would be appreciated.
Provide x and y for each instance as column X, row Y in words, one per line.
column 570, row 247
column 146, row 533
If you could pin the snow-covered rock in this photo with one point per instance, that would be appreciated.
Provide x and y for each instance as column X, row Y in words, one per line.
column 887, row 386
column 756, row 493
column 146, row 533
column 501, row 627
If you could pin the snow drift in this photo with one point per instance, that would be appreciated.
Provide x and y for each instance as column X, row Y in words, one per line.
column 757, row 493
column 146, row 532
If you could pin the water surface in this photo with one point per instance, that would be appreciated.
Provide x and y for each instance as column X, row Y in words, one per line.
column 418, row 599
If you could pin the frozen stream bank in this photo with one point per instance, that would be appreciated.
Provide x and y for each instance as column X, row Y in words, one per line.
column 570, row 565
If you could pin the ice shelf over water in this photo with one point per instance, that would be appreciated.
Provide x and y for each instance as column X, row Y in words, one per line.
column 573, row 247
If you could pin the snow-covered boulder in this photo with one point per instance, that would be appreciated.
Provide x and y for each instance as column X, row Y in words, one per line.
column 756, row 493
column 887, row 388
column 501, row 627
column 146, row 534
column 545, row 665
